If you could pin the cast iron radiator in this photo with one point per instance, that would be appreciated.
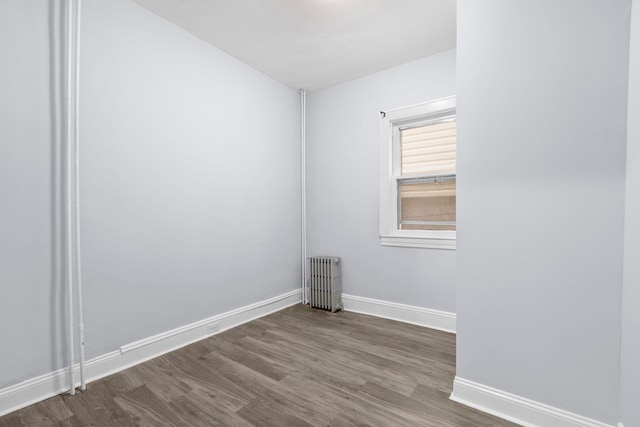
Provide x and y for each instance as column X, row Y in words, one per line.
column 325, row 283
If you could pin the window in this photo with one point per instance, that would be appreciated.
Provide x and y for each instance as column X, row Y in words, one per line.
column 418, row 175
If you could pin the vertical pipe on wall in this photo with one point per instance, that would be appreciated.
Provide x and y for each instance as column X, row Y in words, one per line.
column 76, row 118
column 71, row 172
column 303, row 192
column 67, row 188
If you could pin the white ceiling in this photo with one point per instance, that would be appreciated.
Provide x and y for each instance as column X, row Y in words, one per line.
column 314, row 44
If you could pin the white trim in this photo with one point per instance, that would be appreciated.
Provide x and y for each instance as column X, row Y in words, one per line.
column 526, row 412
column 418, row 242
column 37, row 389
column 434, row 319
column 390, row 235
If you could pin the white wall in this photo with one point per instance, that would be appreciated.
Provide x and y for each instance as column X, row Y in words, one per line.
column 190, row 169
column 630, row 372
column 189, row 182
column 542, row 88
column 30, row 320
column 343, row 185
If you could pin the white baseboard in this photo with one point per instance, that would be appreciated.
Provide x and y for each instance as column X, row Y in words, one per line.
column 520, row 410
column 435, row 319
column 37, row 389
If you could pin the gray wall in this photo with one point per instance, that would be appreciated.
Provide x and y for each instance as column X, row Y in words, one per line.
column 190, row 182
column 190, row 169
column 30, row 295
column 630, row 372
column 343, row 185
column 542, row 134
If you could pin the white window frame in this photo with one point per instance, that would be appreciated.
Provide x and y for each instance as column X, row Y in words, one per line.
column 390, row 123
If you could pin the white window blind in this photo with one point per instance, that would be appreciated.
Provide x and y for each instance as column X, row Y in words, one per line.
column 429, row 149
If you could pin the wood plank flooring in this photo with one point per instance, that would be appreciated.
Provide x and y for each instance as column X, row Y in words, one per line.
column 296, row 367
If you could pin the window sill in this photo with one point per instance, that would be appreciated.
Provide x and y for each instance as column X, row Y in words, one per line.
column 418, row 242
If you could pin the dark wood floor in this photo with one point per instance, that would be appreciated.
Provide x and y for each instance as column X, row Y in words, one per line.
column 296, row 367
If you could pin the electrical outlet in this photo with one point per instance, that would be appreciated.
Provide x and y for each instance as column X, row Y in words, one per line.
column 212, row 328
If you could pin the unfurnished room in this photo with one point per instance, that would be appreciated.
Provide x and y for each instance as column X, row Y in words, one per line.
column 320, row 213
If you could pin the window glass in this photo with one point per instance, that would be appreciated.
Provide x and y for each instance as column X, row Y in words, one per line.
column 427, row 205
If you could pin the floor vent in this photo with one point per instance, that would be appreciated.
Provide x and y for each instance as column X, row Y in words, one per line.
column 325, row 283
